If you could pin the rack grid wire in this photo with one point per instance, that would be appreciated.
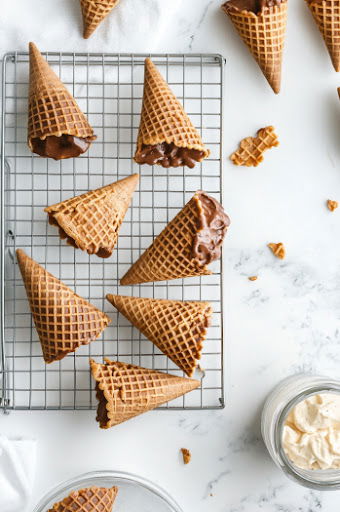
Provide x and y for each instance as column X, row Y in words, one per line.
column 108, row 88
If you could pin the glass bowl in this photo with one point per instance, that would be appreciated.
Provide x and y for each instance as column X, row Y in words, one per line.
column 135, row 492
column 279, row 403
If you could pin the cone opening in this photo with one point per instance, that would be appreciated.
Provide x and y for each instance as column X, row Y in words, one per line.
column 61, row 147
column 168, row 155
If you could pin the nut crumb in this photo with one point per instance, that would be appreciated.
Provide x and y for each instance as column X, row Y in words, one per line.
column 278, row 250
column 332, row 205
column 211, row 494
column 186, row 455
column 252, row 278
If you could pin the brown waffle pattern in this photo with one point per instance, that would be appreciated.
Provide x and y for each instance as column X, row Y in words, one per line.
column 163, row 118
column 63, row 320
column 125, row 391
column 326, row 15
column 52, row 110
column 170, row 254
column 177, row 328
column 91, row 499
column 251, row 149
column 94, row 11
column 264, row 35
column 92, row 221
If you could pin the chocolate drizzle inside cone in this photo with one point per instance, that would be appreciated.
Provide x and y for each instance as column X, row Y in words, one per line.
column 59, row 148
column 168, row 155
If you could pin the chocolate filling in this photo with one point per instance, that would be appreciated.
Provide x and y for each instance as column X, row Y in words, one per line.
column 101, row 253
column 255, row 6
column 58, row 148
column 102, row 416
column 213, row 225
column 168, row 155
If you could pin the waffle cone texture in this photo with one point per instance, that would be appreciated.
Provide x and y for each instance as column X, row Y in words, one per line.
column 177, row 328
column 94, row 12
column 326, row 15
column 52, row 110
column 125, row 391
column 91, row 221
column 163, row 118
column 90, row 499
column 264, row 35
column 170, row 254
column 64, row 321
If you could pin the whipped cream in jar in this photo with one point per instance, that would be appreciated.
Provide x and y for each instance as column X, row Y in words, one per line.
column 301, row 430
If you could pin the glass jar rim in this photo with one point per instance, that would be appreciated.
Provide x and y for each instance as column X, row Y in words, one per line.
column 305, row 477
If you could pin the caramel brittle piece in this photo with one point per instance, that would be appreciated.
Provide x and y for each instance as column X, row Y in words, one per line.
column 251, row 149
column 186, row 455
column 278, row 250
column 252, row 278
column 332, row 205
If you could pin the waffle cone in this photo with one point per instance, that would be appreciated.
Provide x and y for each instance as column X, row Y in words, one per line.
column 91, row 221
column 264, row 35
column 163, row 118
column 52, row 110
column 64, row 321
column 177, row 328
column 326, row 15
column 125, row 391
column 170, row 255
column 94, row 499
column 94, row 11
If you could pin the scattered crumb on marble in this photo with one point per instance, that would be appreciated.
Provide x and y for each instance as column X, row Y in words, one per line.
column 278, row 250
column 186, row 455
column 332, row 205
column 251, row 149
column 252, row 278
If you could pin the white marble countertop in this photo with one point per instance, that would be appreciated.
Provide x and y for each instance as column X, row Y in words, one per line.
column 285, row 322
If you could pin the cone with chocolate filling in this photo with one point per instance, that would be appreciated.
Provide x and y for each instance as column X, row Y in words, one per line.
column 64, row 321
column 186, row 245
column 90, row 499
column 91, row 221
column 261, row 24
column 177, row 328
column 125, row 391
column 57, row 128
column 326, row 14
column 166, row 135
column 94, row 12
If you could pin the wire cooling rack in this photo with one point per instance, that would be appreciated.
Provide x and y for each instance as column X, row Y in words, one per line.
column 109, row 90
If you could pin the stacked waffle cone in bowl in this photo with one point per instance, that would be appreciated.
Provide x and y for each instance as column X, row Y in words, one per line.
column 57, row 128
column 326, row 14
column 64, row 321
column 177, row 328
column 91, row 221
column 94, row 12
column 166, row 135
column 261, row 24
column 90, row 499
column 186, row 246
column 125, row 391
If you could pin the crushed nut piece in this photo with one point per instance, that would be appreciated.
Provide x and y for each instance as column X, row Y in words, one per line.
column 252, row 278
column 278, row 250
column 251, row 149
column 332, row 205
column 186, row 455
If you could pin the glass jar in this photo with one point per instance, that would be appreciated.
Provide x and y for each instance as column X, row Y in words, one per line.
column 281, row 400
